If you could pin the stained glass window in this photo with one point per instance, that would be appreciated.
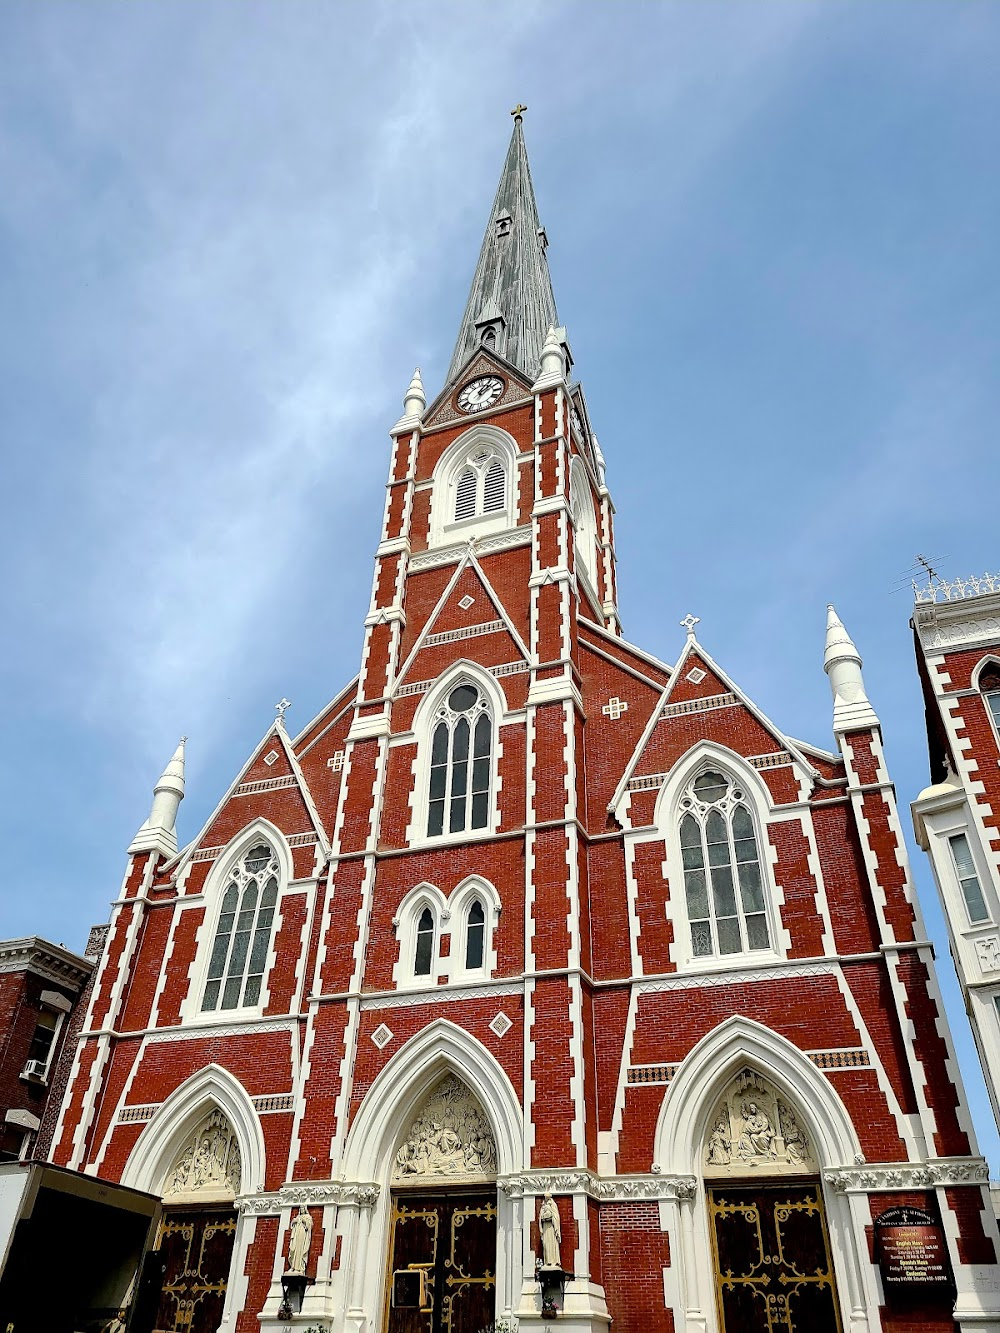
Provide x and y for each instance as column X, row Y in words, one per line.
column 723, row 884
column 461, row 756
column 243, row 934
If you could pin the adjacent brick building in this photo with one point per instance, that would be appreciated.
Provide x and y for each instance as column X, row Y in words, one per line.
column 525, row 911
column 956, row 628
column 41, row 984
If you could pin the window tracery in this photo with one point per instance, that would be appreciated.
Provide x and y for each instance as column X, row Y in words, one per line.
column 481, row 488
column 723, row 880
column 461, row 762
column 243, row 933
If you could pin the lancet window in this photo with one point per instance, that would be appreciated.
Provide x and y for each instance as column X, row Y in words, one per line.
column 475, row 936
column 723, row 881
column 243, row 934
column 461, row 762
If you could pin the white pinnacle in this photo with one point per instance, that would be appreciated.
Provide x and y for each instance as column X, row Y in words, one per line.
column 159, row 832
column 415, row 400
column 852, row 710
column 552, row 362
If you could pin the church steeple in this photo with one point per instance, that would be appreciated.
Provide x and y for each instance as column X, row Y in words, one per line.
column 511, row 306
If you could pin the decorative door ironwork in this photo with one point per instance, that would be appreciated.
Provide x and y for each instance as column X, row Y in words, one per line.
column 196, row 1249
column 773, row 1272
column 442, row 1257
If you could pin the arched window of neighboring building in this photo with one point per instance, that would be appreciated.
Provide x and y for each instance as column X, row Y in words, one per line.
column 989, row 687
column 481, row 487
column 461, row 762
column 423, row 953
column 243, row 933
column 475, row 936
column 723, row 878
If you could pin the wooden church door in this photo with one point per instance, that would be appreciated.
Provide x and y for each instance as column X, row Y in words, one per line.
column 195, row 1252
column 773, row 1272
column 442, row 1260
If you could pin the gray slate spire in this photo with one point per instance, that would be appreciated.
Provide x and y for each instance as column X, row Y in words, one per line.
column 511, row 291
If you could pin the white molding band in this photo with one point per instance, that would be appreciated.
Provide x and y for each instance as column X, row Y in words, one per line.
column 869, row 1177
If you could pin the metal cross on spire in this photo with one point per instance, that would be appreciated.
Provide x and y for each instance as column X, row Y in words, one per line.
column 519, row 110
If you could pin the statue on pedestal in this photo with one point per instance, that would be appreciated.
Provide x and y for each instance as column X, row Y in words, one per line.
column 299, row 1241
column 550, row 1231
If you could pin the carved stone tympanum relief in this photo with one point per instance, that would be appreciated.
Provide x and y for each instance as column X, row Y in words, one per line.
column 209, row 1165
column 450, row 1136
column 754, row 1131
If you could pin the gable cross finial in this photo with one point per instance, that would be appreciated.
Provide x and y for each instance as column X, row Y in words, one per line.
column 518, row 112
column 281, row 707
column 689, row 623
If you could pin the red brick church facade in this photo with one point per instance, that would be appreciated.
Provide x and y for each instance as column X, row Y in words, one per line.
column 525, row 910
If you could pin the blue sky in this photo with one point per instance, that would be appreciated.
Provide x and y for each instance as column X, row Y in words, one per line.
column 229, row 231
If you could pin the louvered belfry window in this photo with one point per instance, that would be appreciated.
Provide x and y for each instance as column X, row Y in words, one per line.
column 481, row 487
column 243, row 935
column 723, row 881
column 461, row 757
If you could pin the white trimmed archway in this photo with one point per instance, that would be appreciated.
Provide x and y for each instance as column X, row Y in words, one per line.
column 384, row 1116
column 678, row 1148
column 211, row 1088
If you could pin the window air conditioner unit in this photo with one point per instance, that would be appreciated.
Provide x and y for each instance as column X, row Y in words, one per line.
column 35, row 1069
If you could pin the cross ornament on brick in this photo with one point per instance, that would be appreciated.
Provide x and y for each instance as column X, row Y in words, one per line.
column 614, row 708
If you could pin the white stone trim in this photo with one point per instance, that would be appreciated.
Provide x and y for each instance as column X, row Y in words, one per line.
column 178, row 1116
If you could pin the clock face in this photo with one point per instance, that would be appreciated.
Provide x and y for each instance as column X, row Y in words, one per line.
column 480, row 393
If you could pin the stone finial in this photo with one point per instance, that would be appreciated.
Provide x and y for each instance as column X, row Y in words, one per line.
column 415, row 400
column 159, row 832
column 852, row 710
column 552, row 362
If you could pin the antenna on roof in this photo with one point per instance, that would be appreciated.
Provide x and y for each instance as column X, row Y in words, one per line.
column 922, row 565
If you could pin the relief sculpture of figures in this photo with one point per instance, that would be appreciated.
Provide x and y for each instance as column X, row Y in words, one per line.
column 757, row 1139
column 299, row 1240
column 210, row 1162
column 550, row 1230
column 720, row 1141
column 796, row 1147
column 449, row 1137
column 754, row 1128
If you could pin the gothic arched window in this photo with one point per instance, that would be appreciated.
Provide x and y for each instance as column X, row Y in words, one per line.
column 723, row 882
column 423, row 952
column 461, row 762
column 989, row 686
column 481, row 488
column 243, row 933
column 475, row 937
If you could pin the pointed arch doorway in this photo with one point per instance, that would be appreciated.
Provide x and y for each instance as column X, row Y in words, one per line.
column 194, row 1248
column 443, row 1217
column 773, row 1269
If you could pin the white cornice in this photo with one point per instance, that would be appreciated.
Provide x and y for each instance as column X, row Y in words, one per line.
column 51, row 961
column 867, row 1177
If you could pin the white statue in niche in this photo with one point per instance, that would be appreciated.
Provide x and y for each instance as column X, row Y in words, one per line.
column 755, row 1132
column 299, row 1240
column 450, row 1136
column 209, row 1163
column 550, row 1231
